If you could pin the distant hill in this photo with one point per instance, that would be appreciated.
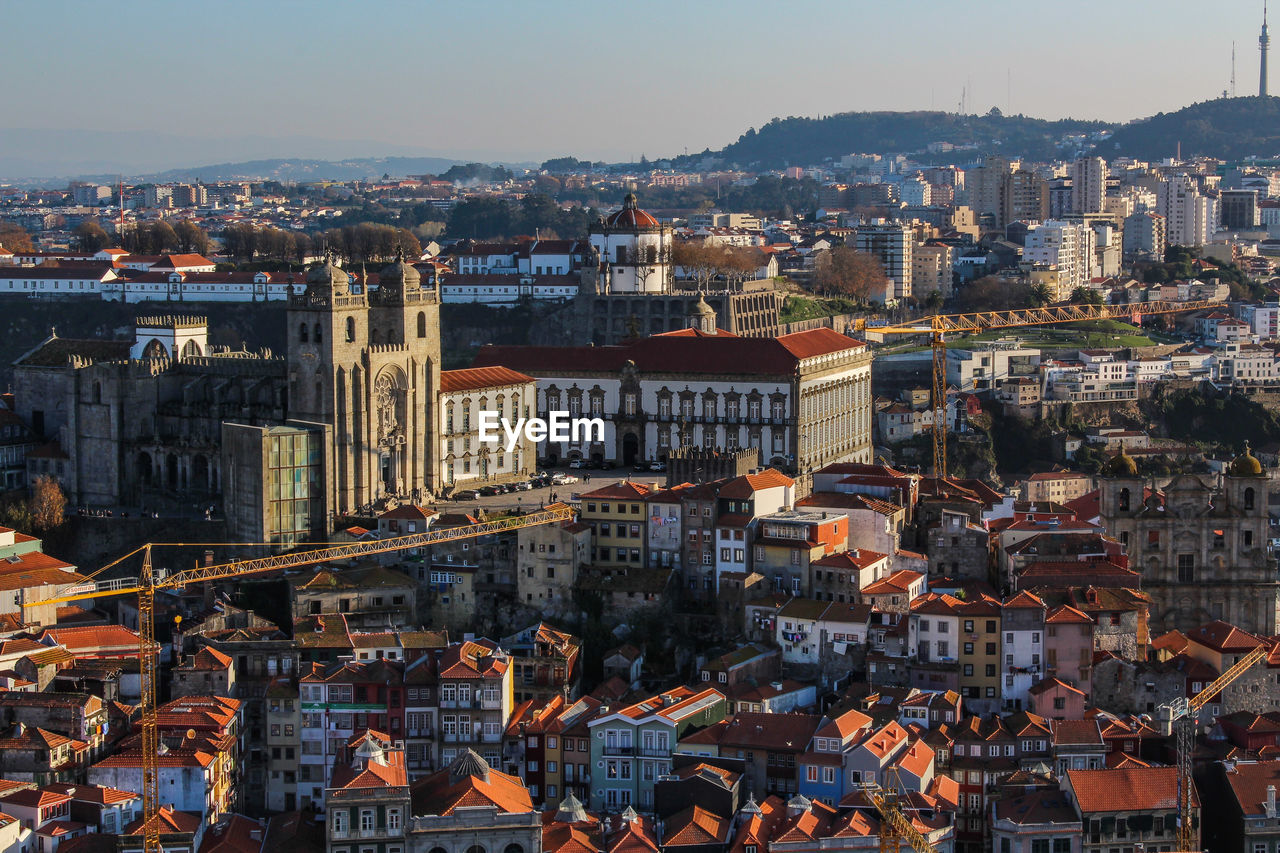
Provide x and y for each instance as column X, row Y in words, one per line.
column 1230, row 128
column 310, row 170
column 803, row 141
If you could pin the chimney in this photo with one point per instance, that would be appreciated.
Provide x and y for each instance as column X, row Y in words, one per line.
column 1271, row 801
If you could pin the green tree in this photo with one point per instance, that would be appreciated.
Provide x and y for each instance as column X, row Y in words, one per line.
column 1040, row 294
column 191, row 238
column 90, row 237
column 1086, row 296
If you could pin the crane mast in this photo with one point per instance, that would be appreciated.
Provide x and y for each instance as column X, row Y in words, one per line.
column 1182, row 715
column 149, row 581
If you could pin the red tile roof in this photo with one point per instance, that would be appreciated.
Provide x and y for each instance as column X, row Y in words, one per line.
column 621, row 490
column 88, row 639
column 1127, row 789
column 1248, row 782
column 678, row 355
column 438, row 795
column 746, row 485
column 1223, row 637
column 477, row 378
column 695, row 826
column 900, row 581
column 208, row 659
column 1066, row 614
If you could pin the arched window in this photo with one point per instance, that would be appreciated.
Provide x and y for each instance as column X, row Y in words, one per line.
column 318, row 336
column 1248, row 498
column 351, row 329
column 513, row 848
column 190, row 349
column 373, row 336
column 475, row 848
column 302, row 333
column 422, row 324
column 1124, row 500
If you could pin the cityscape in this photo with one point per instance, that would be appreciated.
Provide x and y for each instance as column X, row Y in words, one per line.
column 469, row 475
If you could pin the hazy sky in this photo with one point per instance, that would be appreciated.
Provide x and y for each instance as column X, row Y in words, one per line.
column 602, row 79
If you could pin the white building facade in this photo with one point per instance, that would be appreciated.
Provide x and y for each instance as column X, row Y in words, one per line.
column 466, row 459
column 801, row 400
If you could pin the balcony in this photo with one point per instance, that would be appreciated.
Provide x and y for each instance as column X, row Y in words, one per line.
column 491, row 703
column 421, row 733
column 616, row 749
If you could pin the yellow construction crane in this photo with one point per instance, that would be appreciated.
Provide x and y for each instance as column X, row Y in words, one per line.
column 894, row 824
column 149, row 581
column 1182, row 714
column 938, row 326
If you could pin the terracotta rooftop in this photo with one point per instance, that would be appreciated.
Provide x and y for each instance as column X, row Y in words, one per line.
column 1127, row 789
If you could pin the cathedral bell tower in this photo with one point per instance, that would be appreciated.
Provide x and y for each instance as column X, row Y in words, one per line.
column 368, row 364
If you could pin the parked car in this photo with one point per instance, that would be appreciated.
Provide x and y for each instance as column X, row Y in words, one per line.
column 640, row 466
column 489, row 491
column 522, row 487
column 563, row 479
column 608, row 465
column 658, row 466
column 465, row 495
column 577, row 463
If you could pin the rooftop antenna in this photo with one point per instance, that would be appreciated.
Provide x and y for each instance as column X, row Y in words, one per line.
column 1233, row 69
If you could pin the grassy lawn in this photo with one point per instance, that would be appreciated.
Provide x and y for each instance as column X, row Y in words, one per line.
column 808, row 308
column 1094, row 334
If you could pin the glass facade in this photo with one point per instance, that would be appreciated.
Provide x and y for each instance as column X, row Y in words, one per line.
column 295, row 483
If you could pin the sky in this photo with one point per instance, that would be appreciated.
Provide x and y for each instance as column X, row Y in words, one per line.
column 172, row 81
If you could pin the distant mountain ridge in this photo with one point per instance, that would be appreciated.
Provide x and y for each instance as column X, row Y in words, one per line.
column 1230, row 128
column 304, row 169
column 808, row 141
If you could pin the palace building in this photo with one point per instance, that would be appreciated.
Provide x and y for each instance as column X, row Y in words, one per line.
column 801, row 401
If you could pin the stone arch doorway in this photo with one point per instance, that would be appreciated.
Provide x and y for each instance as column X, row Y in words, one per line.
column 171, row 472
column 144, row 468
column 630, row 448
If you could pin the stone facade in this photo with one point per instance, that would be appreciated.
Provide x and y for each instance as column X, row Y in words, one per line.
column 369, row 365
column 144, row 430
column 1201, row 548
column 610, row 318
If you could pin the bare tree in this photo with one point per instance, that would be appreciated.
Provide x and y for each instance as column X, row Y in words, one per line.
column 850, row 273
column 697, row 260
column 47, row 504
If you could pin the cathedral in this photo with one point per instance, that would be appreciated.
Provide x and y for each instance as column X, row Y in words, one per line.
column 369, row 365
column 1201, row 547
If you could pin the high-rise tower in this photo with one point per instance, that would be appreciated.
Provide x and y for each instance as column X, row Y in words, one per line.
column 1264, row 44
